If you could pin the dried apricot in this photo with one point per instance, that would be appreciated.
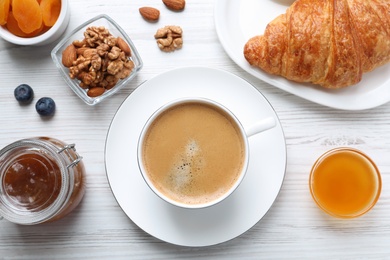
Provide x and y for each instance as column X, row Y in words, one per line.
column 50, row 11
column 28, row 14
column 4, row 11
column 13, row 27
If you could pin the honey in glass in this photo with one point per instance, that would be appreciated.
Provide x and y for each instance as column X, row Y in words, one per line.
column 41, row 180
column 345, row 183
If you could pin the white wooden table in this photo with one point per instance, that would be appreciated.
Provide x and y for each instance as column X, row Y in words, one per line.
column 98, row 229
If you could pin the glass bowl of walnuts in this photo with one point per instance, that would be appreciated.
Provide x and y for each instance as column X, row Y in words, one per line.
column 97, row 59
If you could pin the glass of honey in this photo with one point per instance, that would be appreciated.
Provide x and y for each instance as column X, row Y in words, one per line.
column 42, row 179
column 345, row 183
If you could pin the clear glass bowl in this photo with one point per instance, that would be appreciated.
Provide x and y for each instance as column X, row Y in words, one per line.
column 78, row 34
column 345, row 183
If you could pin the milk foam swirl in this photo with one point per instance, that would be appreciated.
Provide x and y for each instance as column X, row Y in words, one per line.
column 188, row 163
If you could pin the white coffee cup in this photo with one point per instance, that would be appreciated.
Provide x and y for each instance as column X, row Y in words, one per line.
column 243, row 133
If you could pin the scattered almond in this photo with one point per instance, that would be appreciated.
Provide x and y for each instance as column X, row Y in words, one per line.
column 176, row 5
column 69, row 55
column 149, row 13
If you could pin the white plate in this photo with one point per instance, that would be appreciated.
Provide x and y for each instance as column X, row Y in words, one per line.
column 237, row 21
column 216, row 224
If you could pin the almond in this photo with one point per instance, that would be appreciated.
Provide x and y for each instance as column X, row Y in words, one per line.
column 96, row 91
column 80, row 51
column 69, row 55
column 149, row 13
column 176, row 5
column 123, row 46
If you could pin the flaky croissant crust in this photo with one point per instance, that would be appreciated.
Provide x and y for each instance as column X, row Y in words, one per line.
column 326, row 42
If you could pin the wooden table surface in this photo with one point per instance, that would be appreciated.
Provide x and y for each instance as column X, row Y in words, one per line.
column 98, row 229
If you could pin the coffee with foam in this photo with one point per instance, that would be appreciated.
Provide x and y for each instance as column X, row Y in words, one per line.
column 193, row 153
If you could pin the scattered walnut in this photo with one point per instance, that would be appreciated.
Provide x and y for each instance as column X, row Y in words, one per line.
column 169, row 38
column 101, row 60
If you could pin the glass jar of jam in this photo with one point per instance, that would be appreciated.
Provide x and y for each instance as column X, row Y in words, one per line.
column 42, row 179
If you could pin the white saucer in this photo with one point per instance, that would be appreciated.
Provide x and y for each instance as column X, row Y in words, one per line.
column 213, row 225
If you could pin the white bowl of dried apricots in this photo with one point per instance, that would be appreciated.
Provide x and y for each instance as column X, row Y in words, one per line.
column 33, row 22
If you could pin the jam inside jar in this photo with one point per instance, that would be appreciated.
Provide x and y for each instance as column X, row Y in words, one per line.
column 42, row 179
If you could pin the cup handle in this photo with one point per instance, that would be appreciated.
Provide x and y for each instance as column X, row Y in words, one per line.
column 261, row 126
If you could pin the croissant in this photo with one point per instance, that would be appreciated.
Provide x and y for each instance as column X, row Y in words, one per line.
column 326, row 42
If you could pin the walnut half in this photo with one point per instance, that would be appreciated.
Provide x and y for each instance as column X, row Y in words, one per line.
column 169, row 38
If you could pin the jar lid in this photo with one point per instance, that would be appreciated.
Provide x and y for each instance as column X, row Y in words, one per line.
column 34, row 181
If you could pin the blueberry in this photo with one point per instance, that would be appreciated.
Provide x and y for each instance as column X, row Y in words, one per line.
column 45, row 106
column 24, row 93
